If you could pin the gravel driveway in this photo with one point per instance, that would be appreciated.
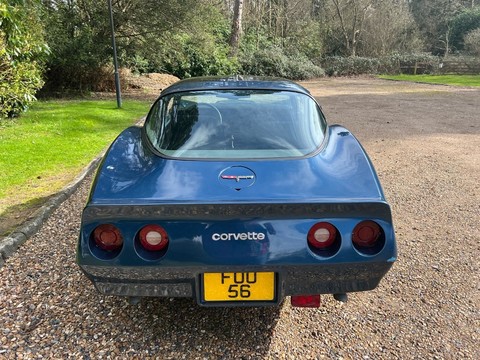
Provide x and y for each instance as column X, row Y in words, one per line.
column 425, row 143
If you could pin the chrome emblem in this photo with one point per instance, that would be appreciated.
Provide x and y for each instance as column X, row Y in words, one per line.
column 242, row 177
column 237, row 178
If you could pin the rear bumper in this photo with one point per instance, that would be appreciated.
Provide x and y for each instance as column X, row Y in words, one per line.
column 187, row 281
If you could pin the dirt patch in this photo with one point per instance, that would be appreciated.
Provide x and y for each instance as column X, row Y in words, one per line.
column 14, row 216
column 148, row 86
column 151, row 82
column 23, row 205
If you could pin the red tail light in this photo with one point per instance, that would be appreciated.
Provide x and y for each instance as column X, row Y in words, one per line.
column 366, row 234
column 108, row 237
column 305, row 300
column 322, row 235
column 153, row 237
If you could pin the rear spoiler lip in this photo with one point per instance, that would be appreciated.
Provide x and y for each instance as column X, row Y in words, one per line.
column 225, row 211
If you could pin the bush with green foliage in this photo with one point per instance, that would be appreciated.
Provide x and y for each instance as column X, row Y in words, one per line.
column 78, row 35
column 18, row 84
column 301, row 68
column 137, row 64
column 272, row 61
column 472, row 42
column 393, row 64
column 22, row 50
column 407, row 63
column 462, row 24
column 198, row 57
column 349, row 66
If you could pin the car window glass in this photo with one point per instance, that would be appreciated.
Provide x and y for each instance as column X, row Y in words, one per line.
column 153, row 124
column 236, row 124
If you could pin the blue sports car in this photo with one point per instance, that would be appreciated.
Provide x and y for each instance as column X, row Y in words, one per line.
column 236, row 192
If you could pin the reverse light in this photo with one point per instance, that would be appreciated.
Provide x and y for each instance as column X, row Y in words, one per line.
column 312, row 301
column 322, row 235
column 153, row 237
column 366, row 234
column 108, row 237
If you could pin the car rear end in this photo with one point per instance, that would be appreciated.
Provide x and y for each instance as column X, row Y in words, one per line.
column 231, row 254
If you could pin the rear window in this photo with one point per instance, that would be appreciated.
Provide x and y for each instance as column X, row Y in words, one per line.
column 233, row 124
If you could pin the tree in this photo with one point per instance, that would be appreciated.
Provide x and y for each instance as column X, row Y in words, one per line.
column 434, row 21
column 389, row 28
column 288, row 24
column 79, row 37
column 183, row 37
column 472, row 42
column 470, row 3
column 348, row 20
column 197, row 45
column 22, row 50
column 462, row 24
column 281, row 38
column 236, row 27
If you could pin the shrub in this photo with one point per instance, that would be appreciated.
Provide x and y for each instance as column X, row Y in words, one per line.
column 393, row 64
column 22, row 49
column 198, row 57
column 18, row 86
column 301, row 68
column 410, row 63
column 81, row 79
column 462, row 24
column 138, row 65
column 472, row 42
column 264, row 62
column 274, row 62
column 349, row 66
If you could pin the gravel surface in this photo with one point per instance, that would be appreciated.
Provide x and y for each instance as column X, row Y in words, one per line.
column 424, row 141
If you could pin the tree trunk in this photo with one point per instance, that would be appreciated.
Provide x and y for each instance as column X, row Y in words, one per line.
column 342, row 24
column 447, row 42
column 236, row 27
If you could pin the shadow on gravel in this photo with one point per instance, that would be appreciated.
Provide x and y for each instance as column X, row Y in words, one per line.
column 169, row 327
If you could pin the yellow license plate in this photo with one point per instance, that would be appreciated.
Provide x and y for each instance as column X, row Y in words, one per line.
column 248, row 286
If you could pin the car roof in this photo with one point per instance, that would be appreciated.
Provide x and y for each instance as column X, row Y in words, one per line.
column 236, row 82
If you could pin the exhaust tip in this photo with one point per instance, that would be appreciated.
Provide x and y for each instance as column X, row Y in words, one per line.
column 341, row 297
column 134, row 300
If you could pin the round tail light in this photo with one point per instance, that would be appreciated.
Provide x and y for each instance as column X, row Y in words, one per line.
column 366, row 234
column 108, row 237
column 322, row 235
column 153, row 237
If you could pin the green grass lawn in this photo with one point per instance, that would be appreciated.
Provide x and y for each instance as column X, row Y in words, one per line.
column 46, row 147
column 458, row 80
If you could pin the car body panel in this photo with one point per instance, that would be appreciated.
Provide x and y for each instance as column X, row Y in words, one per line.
column 234, row 83
column 132, row 173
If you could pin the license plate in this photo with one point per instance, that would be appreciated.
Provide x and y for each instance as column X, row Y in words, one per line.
column 248, row 286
